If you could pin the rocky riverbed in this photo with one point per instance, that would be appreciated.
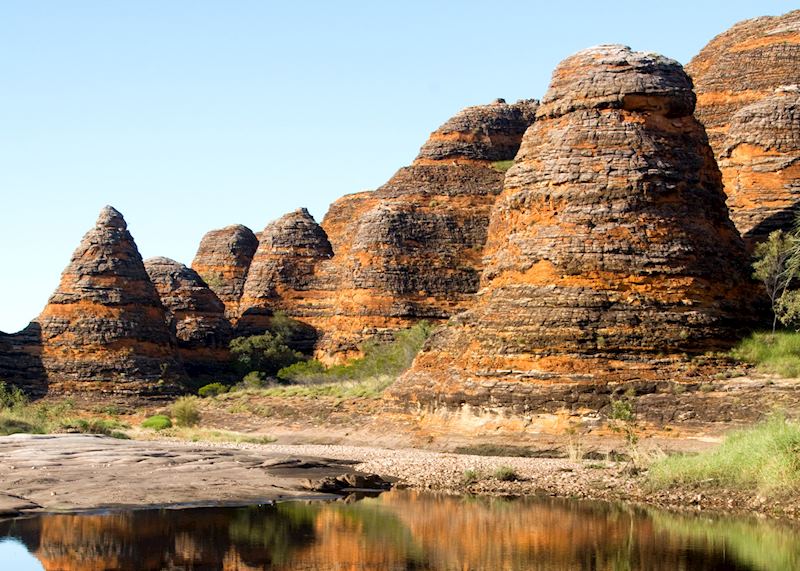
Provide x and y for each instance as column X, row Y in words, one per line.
column 78, row 472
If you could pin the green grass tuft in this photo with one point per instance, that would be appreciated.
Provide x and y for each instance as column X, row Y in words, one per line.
column 506, row 474
column 502, row 166
column 772, row 353
column 157, row 422
column 186, row 412
column 764, row 459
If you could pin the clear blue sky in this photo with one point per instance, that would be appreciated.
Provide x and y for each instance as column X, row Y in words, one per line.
column 188, row 115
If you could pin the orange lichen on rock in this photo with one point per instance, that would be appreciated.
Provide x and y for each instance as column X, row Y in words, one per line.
column 610, row 254
column 383, row 260
column 744, row 65
column 760, row 164
column 104, row 328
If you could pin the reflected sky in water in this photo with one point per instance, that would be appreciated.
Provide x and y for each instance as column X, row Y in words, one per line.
column 400, row 530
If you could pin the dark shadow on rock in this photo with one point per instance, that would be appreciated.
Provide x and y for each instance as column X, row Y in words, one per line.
column 781, row 220
column 21, row 360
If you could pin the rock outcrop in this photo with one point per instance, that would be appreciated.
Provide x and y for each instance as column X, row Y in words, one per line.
column 760, row 164
column 282, row 276
column 411, row 250
column 610, row 253
column 104, row 329
column 195, row 314
column 743, row 65
column 21, row 360
column 222, row 260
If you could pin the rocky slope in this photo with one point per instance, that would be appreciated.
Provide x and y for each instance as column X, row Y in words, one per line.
column 222, row 260
column 104, row 329
column 412, row 249
column 760, row 164
column 195, row 315
column 610, row 251
column 741, row 66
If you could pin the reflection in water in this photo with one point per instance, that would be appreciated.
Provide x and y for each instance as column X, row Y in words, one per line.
column 406, row 530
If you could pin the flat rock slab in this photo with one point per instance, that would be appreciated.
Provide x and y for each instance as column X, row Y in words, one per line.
column 68, row 472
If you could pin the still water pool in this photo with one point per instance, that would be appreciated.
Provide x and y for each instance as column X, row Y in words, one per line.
column 399, row 530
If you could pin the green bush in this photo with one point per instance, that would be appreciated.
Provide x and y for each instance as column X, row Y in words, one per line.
column 254, row 380
column 777, row 352
column 266, row 353
column 186, row 412
column 764, row 458
column 157, row 422
column 379, row 360
column 506, row 474
column 93, row 426
column 212, row 390
column 302, row 370
column 11, row 398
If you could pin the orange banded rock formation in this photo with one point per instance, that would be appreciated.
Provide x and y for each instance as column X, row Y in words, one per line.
column 195, row 314
column 282, row 273
column 610, row 252
column 222, row 260
column 104, row 329
column 741, row 66
column 412, row 249
column 760, row 164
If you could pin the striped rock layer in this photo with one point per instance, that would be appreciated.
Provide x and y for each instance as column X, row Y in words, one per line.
column 610, row 253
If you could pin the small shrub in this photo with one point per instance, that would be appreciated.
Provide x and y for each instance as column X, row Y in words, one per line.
column 254, row 380
column 11, row 398
column 266, row 353
column 506, row 474
column 17, row 426
column 157, row 422
column 470, row 477
column 186, row 412
column 212, row 390
column 307, row 371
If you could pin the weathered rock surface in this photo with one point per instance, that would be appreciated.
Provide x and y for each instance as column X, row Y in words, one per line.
column 610, row 252
column 741, row 66
column 760, row 164
column 104, row 329
column 21, row 360
column 480, row 133
column 411, row 250
column 222, row 260
column 283, row 272
column 195, row 314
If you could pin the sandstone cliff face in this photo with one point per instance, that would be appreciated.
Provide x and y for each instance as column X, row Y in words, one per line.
column 741, row 66
column 104, row 329
column 282, row 274
column 412, row 249
column 195, row 314
column 610, row 251
column 760, row 164
column 21, row 360
column 222, row 260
